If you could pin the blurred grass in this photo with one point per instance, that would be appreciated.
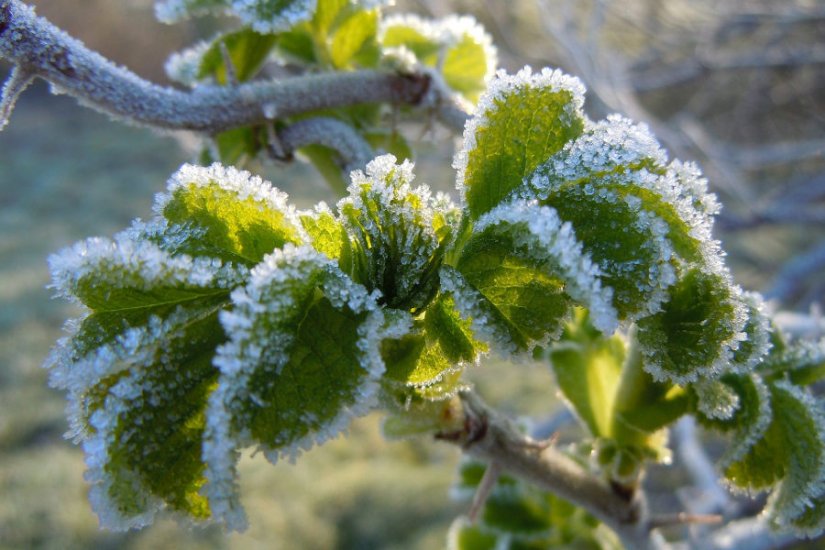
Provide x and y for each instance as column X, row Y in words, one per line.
column 67, row 173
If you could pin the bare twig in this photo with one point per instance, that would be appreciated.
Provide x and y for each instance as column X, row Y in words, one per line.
column 41, row 49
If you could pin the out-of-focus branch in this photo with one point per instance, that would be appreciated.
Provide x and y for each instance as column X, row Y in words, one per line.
column 40, row 49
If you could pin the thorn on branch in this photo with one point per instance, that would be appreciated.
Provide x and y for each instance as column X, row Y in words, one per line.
column 17, row 82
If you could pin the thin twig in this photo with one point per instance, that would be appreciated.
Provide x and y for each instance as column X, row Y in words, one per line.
column 485, row 487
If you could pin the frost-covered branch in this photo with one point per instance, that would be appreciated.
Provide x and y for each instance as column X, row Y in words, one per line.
column 40, row 49
column 491, row 438
column 354, row 150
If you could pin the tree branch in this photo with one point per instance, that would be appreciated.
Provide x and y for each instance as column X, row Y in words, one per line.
column 491, row 438
column 329, row 132
column 40, row 49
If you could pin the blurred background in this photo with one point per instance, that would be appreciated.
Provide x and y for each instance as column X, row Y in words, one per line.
column 736, row 85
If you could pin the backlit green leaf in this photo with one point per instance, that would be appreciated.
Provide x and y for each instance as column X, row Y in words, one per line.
column 234, row 215
column 247, row 49
column 351, row 35
column 520, row 122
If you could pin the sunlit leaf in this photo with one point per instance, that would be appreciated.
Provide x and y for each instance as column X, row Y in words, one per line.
column 520, row 122
column 303, row 359
column 233, row 215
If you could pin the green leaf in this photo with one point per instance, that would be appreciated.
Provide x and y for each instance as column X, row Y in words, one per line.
column 240, row 145
column 297, row 45
column 351, row 34
column 392, row 227
column 588, row 368
column 791, row 451
column 469, row 58
column 428, row 360
column 234, row 216
column 516, row 515
column 749, row 420
column 628, row 245
column 326, row 234
column 390, row 141
column 521, row 121
column 328, row 163
column 510, row 297
column 695, row 332
column 453, row 333
column 458, row 47
column 144, row 449
column 247, row 49
column 303, row 360
column 464, row 535
column 414, row 33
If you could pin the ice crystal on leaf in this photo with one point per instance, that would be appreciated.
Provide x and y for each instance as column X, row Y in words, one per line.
column 395, row 246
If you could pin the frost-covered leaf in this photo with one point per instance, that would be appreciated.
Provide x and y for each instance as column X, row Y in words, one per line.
column 511, row 283
column 521, row 121
column 426, row 363
column 628, row 244
column 172, row 11
column 352, row 33
column 138, row 370
column 125, row 285
column 754, row 348
column 247, row 50
column 144, row 450
column 304, row 358
column 394, row 244
column 226, row 213
column 748, row 421
column 625, row 158
column 791, row 453
column 264, row 16
column 456, row 46
column 239, row 145
column 802, row 361
column 697, row 330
